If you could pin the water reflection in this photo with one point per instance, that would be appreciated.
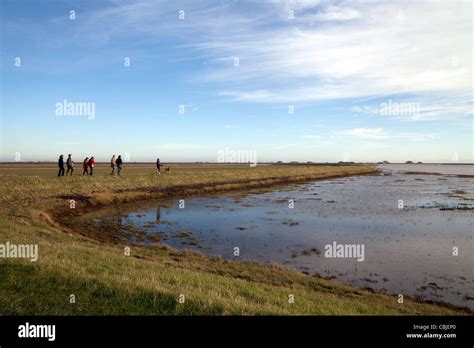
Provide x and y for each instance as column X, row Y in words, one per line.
column 407, row 250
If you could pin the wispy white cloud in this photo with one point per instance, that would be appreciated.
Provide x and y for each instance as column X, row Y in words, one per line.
column 336, row 13
column 286, row 146
column 247, row 96
column 328, row 51
column 381, row 134
column 367, row 133
column 294, row 5
column 371, row 56
column 425, row 108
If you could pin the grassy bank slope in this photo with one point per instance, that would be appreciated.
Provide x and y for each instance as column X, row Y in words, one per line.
column 20, row 182
column 149, row 281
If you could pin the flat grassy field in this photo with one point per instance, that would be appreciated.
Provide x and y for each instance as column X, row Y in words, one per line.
column 30, row 181
column 150, row 281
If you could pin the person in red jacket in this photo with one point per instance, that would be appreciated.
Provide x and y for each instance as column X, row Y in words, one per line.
column 91, row 165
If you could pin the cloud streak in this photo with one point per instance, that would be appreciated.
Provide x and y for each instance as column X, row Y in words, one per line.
column 381, row 134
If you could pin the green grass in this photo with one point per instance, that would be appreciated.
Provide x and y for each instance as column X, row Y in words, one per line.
column 150, row 280
column 33, row 182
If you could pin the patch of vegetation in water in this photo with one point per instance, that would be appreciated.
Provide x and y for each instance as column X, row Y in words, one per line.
column 306, row 252
column 290, row 223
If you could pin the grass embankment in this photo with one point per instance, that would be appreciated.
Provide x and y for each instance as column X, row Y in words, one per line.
column 151, row 279
column 139, row 181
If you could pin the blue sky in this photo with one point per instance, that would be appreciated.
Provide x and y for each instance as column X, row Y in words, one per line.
column 239, row 68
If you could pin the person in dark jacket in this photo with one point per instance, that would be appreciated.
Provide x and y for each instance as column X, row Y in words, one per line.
column 119, row 163
column 70, row 164
column 61, row 165
column 91, row 165
column 158, row 166
column 85, row 164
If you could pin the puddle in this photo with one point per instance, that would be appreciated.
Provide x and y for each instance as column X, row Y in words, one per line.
column 408, row 251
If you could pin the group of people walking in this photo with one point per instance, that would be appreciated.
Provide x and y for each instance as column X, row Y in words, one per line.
column 69, row 163
column 88, row 165
column 116, row 162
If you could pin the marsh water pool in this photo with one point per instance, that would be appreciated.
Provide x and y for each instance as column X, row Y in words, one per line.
column 416, row 229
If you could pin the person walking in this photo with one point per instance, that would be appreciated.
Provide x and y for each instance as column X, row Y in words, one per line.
column 91, row 165
column 70, row 164
column 61, row 165
column 119, row 163
column 113, row 164
column 158, row 166
column 85, row 164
